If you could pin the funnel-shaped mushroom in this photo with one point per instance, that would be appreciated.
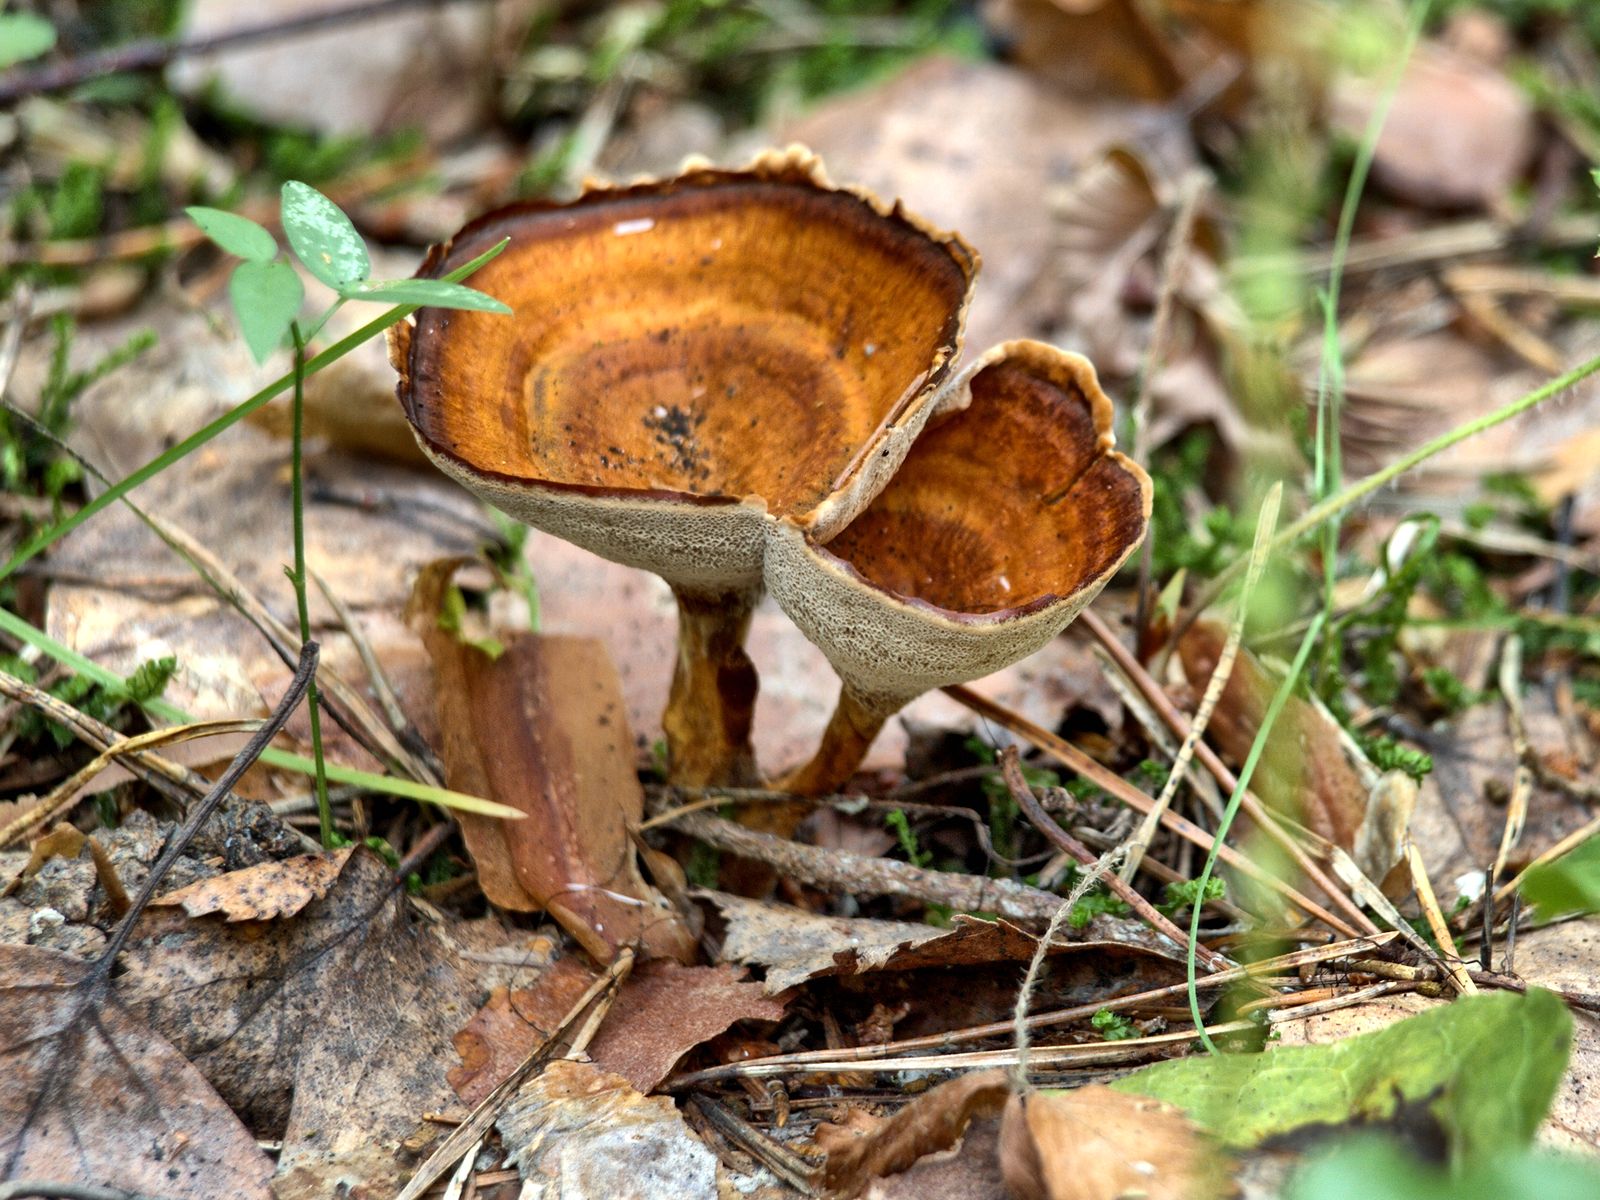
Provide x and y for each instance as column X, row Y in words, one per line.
column 690, row 358
column 1007, row 517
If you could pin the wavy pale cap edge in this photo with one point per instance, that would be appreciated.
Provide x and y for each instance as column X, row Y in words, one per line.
column 889, row 647
column 873, row 463
column 1065, row 369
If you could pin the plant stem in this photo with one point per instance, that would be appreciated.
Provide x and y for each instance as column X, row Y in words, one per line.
column 298, row 575
column 1347, row 497
column 1269, row 719
column 48, row 537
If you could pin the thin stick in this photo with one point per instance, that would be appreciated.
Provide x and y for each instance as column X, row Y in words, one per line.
column 1510, row 680
column 780, row 1160
column 841, row 871
column 1258, row 812
column 1574, row 839
column 1091, row 1054
column 1441, row 929
column 200, row 813
column 1011, row 772
column 1076, row 760
column 172, row 779
column 151, row 53
column 1280, row 964
column 1019, row 1016
column 1139, row 842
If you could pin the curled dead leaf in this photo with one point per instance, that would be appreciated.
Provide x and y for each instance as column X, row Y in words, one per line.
column 1304, row 773
column 662, row 1012
column 933, row 1121
column 1096, row 1144
column 543, row 727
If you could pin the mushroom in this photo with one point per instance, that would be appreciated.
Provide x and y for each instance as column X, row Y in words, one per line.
column 1007, row 517
column 690, row 359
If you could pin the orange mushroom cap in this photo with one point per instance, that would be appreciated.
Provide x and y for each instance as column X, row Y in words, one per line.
column 1008, row 516
column 689, row 358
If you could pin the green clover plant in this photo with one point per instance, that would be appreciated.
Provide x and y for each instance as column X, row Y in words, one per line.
column 267, row 298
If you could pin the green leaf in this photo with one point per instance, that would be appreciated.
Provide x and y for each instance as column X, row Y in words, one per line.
column 1483, row 1070
column 435, row 293
column 24, row 36
column 1570, row 884
column 322, row 236
column 1376, row 1169
column 266, row 297
column 239, row 236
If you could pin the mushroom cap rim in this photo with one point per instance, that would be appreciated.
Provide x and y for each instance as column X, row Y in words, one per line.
column 1001, row 616
column 793, row 164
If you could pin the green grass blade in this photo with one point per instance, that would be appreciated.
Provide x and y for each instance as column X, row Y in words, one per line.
column 165, row 711
column 46, row 538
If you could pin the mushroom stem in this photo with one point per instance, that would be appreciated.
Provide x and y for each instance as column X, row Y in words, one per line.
column 856, row 720
column 713, row 698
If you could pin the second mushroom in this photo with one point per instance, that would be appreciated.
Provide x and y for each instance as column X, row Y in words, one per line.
column 1007, row 517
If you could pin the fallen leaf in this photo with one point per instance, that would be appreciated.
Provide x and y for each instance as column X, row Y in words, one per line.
column 407, row 68
column 978, row 147
column 94, row 1097
column 1305, row 773
column 577, row 1132
column 1479, row 1074
column 663, row 1011
column 794, row 946
column 543, row 728
column 1458, row 132
column 969, row 1170
column 1092, row 1143
column 332, row 1025
column 1461, row 814
column 931, row 1122
column 1090, row 48
column 261, row 893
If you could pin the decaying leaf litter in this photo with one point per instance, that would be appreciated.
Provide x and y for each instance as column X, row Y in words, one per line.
column 579, row 1002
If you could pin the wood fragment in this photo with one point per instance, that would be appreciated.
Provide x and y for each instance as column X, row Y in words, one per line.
column 840, row 871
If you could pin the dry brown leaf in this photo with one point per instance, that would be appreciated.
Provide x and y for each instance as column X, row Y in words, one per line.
column 1461, row 806
column 1090, row 48
column 332, row 1025
column 577, row 1132
column 261, row 893
column 970, row 1170
column 1096, row 1144
column 543, row 728
column 1458, row 132
column 92, row 1096
column 930, row 1123
column 1304, row 773
column 979, row 147
column 416, row 68
column 662, row 1012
